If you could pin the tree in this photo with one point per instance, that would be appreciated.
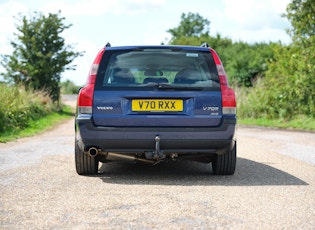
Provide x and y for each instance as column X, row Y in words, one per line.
column 68, row 87
column 191, row 25
column 287, row 90
column 244, row 62
column 301, row 14
column 40, row 54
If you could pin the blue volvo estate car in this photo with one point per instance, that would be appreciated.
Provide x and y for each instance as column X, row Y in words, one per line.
column 156, row 103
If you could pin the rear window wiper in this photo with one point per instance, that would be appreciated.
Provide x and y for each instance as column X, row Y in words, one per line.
column 172, row 86
column 178, row 86
column 150, row 84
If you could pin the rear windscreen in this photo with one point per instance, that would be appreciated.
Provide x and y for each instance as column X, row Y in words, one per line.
column 157, row 67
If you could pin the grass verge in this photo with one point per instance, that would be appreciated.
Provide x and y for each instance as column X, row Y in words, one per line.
column 249, row 114
column 302, row 123
column 37, row 126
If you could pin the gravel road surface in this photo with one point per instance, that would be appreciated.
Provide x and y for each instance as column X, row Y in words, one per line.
column 273, row 187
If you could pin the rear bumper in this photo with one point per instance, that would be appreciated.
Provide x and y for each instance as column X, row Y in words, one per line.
column 217, row 140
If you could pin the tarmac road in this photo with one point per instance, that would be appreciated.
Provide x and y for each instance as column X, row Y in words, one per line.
column 273, row 187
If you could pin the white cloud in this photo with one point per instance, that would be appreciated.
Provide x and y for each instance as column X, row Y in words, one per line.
column 252, row 14
column 81, row 8
column 134, row 7
column 254, row 21
column 7, row 12
column 100, row 7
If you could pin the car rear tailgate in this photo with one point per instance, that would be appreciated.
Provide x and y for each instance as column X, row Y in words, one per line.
column 119, row 108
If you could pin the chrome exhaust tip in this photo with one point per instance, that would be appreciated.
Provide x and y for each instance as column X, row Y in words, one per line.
column 93, row 152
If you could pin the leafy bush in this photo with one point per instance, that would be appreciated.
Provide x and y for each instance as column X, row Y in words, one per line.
column 244, row 62
column 68, row 87
column 19, row 106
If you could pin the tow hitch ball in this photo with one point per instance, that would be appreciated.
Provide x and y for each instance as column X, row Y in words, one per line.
column 157, row 154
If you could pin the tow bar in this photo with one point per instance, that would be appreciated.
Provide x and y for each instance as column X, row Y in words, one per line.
column 157, row 154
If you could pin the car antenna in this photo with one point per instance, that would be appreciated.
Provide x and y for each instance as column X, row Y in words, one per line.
column 108, row 45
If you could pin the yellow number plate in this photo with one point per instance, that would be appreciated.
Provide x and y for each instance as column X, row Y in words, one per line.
column 157, row 105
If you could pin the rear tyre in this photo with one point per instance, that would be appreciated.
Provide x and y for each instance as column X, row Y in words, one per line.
column 225, row 164
column 85, row 165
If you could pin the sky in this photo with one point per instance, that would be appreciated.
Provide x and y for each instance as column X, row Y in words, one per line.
column 145, row 22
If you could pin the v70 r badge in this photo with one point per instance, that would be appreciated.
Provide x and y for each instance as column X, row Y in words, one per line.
column 210, row 108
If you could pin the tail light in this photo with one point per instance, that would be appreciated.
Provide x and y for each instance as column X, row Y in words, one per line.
column 85, row 97
column 228, row 95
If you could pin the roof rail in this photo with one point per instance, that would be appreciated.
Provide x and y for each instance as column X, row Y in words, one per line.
column 205, row 44
column 108, row 45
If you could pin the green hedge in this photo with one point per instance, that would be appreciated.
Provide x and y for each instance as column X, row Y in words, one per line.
column 18, row 107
